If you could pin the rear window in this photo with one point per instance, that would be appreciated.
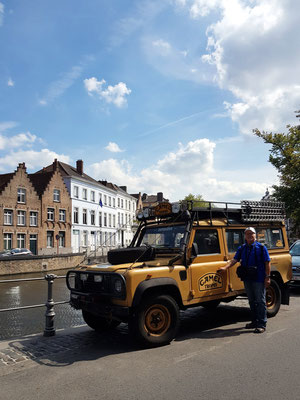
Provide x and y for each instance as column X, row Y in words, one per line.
column 207, row 241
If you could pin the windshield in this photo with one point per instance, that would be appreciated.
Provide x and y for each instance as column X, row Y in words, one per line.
column 295, row 250
column 163, row 236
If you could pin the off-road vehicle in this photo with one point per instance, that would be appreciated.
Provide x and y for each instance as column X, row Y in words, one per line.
column 172, row 264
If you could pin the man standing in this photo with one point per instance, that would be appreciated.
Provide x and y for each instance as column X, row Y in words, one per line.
column 255, row 260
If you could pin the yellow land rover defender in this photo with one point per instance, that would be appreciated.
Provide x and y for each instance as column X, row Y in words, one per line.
column 172, row 263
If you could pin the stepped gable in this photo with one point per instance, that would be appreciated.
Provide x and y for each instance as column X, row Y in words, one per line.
column 40, row 181
column 4, row 180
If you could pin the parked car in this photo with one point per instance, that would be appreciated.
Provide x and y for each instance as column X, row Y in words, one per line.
column 16, row 252
column 295, row 253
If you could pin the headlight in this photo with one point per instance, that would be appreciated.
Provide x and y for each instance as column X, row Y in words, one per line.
column 83, row 277
column 118, row 285
column 98, row 278
column 71, row 280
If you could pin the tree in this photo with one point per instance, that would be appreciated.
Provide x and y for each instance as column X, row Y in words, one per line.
column 197, row 200
column 285, row 157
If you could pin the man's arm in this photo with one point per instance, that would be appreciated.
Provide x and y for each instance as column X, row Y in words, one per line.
column 268, row 273
column 230, row 264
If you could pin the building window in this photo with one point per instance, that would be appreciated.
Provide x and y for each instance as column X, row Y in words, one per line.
column 62, row 239
column 92, row 217
column 76, row 192
column 62, row 215
column 21, row 195
column 109, row 201
column 33, row 220
column 75, row 215
column 8, row 217
column 105, row 219
column 84, row 238
column 100, row 218
column 109, row 220
column 114, row 221
column 50, row 214
column 114, row 202
column 50, row 239
column 21, row 217
column 84, row 194
column 119, row 221
column 7, row 241
column 118, row 202
column 105, row 200
column 21, row 240
column 92, row 196
column 122, row 203
column 56, row 195
column 84, row 216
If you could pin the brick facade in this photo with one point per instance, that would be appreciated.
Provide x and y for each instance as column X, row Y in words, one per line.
column 35, row 209
column 19, row 212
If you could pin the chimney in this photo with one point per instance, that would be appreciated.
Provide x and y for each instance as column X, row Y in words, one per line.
column 160, row 196
column 79, row 166
column 144, row 196
column 21, row 165
column 55, row 164
column 124, row 188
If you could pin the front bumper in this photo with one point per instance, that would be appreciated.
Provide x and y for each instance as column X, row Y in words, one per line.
column 98, row 306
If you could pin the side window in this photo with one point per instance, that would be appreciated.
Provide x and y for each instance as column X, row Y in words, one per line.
column 207, row 241
column 234, row 239
column 271, row 237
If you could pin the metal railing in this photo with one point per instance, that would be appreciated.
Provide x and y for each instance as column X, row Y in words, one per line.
column 50, row 313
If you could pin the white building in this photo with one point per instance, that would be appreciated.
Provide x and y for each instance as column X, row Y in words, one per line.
column 102, row 213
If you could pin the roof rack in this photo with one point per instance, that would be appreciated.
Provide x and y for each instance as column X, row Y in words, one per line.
column 245, row 211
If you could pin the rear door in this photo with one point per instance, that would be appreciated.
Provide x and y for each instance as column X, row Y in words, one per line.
column 205, row 280
column 234, row 237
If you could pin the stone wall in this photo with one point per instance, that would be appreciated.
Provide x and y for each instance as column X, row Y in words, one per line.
column 25, row 264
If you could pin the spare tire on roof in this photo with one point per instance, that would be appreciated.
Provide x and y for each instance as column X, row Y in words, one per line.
column 130, row 254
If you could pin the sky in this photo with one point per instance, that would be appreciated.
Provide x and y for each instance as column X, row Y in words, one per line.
column 155, row 95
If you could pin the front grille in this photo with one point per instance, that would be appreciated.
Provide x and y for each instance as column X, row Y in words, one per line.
column 89, row 286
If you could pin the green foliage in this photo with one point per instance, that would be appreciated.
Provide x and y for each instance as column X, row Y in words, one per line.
column 197, row 200
column 285, row 157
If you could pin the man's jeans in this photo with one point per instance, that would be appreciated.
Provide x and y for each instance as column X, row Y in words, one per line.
column 256, row 293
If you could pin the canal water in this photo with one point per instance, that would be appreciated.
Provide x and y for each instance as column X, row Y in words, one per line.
column 29, row 321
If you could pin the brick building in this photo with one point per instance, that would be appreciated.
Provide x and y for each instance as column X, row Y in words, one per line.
column 35, row 210
column 56, row 208
column 20, row 208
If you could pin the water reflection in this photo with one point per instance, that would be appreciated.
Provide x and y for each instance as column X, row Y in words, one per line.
column 25, row 322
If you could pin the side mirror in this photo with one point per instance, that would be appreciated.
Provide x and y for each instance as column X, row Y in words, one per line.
column 194, row 250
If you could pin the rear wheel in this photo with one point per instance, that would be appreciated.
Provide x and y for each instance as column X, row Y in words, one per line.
column 273, row 298
column 156, row 321
column 99, row 324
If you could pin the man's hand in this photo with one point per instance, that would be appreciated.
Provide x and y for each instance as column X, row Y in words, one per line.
column 221, row 269
column 267, row 281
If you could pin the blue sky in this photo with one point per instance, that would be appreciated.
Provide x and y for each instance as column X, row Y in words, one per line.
column 158, row 95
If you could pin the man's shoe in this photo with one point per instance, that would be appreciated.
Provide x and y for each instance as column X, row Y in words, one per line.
column 250, row 325
column 259, row 330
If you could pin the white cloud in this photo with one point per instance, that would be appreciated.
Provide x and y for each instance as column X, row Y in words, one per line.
column 33, row 159
column 252, row 47
column 112, row 94
column 22, row 139
column 7, row 125
column 113, row 147
column 10, row 82
column 189, row 169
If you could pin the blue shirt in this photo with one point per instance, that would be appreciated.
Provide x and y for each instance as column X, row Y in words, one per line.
column 253, row 254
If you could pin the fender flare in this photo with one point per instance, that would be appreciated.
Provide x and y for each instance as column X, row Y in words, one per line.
column 153, row 283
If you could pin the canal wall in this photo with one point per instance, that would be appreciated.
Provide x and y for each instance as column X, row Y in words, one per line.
column 26, row 264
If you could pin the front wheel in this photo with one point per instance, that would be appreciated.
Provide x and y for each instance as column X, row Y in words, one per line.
column 273, row 298
column 99, row 324
column 156, row 321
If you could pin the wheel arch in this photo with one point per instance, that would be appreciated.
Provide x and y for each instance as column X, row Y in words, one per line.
column 155, row 286
column 284, row 288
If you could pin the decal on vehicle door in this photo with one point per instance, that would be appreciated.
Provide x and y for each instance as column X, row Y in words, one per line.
column 210, row 281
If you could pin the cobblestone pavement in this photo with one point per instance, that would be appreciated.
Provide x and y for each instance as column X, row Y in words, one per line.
column 37, row 348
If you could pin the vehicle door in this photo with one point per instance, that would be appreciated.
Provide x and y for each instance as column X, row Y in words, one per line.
column 233, row 238
column 209, row 246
